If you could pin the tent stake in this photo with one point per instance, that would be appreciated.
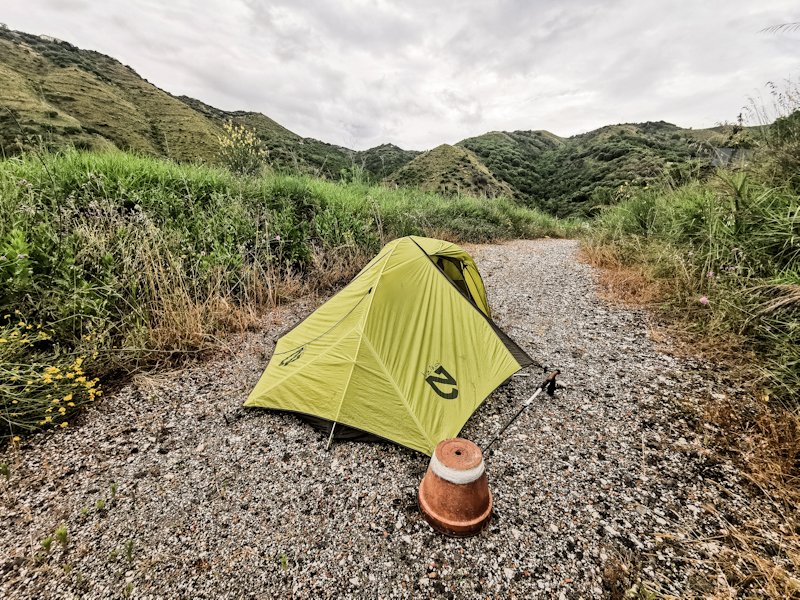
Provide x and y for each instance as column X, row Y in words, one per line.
column 330, row 439
column 549, row 383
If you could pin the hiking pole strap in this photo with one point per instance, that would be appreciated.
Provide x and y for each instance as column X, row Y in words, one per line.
column 549, row 383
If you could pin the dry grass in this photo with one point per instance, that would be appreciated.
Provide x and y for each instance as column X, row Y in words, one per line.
column 760, row 557
column 185, row 319
column 762, row 554
column 444, row 235
column 622, row 283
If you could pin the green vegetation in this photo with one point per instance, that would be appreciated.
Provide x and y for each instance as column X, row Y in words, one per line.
column 61, row 536
column 729, row 248
column 449, row 170
column 118, row 261
column 55, row 95
column 570, row 176
column 511, row 157
column 382, row 161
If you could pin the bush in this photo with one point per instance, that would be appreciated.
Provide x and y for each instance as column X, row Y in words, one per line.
column 732, row 241
column 40, row 386
column 241, row 151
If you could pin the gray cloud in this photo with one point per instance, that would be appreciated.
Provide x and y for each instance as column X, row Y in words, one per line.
column 422, row 72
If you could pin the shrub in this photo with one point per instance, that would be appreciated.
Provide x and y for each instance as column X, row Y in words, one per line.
column 241, row 151
column 39, row 388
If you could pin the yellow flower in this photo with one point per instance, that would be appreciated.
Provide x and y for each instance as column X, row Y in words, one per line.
column 70, row 404
column 62, row 410
column 52, row 370
column 16, row 438
column 49, row 409
column 64, row 424
column 13, row 402
column 70, row 375
column 68, row 397
column 3, row 340
column 48, row 419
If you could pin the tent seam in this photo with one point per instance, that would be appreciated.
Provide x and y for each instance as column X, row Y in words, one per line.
column 360, row 328
column 397, row 389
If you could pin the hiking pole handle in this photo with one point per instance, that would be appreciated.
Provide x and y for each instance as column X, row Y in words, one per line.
column 550, row 382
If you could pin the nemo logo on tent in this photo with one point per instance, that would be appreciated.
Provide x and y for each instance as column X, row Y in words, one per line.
column 293, row 356
column 445, row 379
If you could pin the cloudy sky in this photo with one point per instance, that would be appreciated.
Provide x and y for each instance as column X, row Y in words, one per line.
column 418, row 73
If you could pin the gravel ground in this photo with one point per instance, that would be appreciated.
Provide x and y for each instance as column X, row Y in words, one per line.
column 217, row 501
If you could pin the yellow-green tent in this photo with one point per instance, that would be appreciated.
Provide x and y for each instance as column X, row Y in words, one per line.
column 406, row 352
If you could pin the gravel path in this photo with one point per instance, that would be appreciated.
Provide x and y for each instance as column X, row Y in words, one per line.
column 218, row 501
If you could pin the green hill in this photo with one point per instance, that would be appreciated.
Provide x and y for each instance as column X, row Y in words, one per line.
column 287, row 150
column 568, row 176
column 384, row 160
column 509, row 156
column 54, row 93
column 449, row 170
column 590, row 168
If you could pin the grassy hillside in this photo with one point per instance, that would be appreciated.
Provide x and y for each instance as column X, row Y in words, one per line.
column 450, row 170
column 725, row 249
column 384, row 160
column 510, row 157
column 54, row 93
column 287, row 150
column 590, row 169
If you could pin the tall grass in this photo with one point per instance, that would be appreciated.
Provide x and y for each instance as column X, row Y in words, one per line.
column 133, row 260
column 722, row 256
column 727, row 250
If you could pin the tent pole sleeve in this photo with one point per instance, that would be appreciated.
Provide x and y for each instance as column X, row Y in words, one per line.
column 330, row 439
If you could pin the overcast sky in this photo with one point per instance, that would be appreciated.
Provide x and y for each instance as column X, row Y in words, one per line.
column 418, row 73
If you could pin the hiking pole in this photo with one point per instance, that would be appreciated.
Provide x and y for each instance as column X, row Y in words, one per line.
column 549, row 383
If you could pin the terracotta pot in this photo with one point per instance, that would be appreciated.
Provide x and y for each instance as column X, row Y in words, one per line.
column 454, row 495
